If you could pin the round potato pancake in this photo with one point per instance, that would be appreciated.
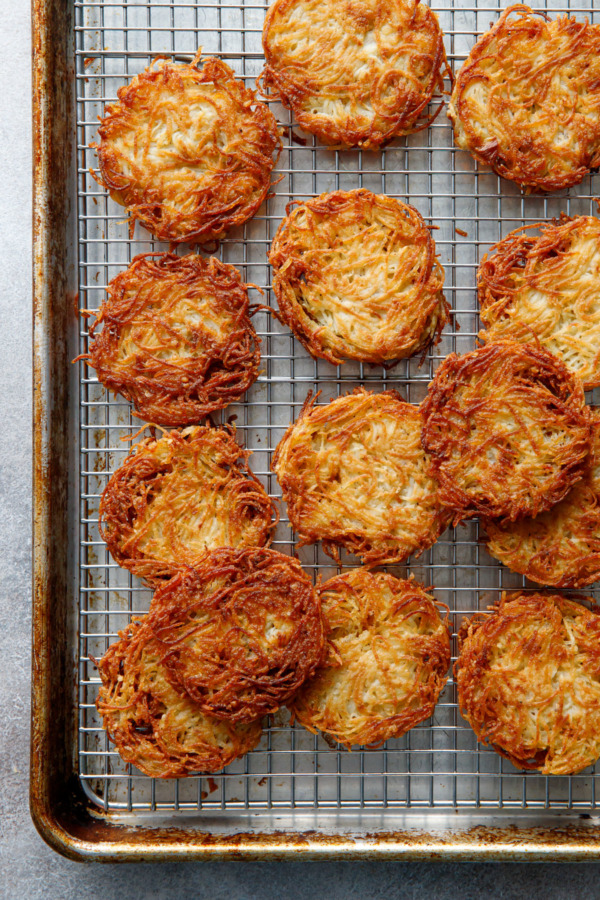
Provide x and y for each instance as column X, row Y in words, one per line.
column 508, row 431
column 355, row 73
column 176, row 339
column 526, row 101
column 354, row 475
column 544, row 287
column 528, row 678
column 156, row 729
column 189, row 151
column 356, row 277
column 175, row 498
column 387, row 662
column 560, row 547
column 241, row 631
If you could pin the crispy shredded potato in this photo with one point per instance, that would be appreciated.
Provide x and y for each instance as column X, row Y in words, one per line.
column 176, row 338
column 354, row 475
column 387, row 662
column 527, row 99
column 560, row 547
column 161, row 732
column 356, row 277
column 544, row 287
column 240, row 632
column 355, row 73
column 507, row 429
column 175, row 498
column 528, row 678
column 188, row 151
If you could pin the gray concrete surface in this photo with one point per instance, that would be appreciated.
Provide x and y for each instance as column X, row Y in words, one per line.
column 28, row 869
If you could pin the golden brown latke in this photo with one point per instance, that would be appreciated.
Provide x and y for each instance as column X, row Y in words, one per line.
column 175, row 498
column 507, row 429
column 528, row 678
column 188, row 151
column 560, row 547
column 387, row 662
column 241, row 632
column 161, row 732
column 177, row 340
column 355, row 73
column 544, row 287
column 527, row 99
column 356, row 277
column 354, row 475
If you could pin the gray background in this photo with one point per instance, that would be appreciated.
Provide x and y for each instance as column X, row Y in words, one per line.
column 29, row 869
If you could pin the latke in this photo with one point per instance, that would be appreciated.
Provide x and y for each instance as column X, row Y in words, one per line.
column 176, row 338
column 560, row 547
column 356, row 277
column 159, row 731
column 528, row 678
column 355, row 73
column 175, row 498
column 241, row 632
column 354, row 475
column 544, row 287
column 507, row 429
column 189, row 151
column 526, row 101
column 387, row 663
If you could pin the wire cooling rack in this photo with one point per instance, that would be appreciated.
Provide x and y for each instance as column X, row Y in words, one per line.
column 439, row 763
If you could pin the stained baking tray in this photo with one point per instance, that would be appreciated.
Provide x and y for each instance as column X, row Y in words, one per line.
column 432, row 793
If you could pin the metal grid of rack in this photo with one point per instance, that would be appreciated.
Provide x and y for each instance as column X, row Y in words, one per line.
column 439, row 763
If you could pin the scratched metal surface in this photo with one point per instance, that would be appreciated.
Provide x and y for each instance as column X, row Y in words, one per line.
column 438, row 766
